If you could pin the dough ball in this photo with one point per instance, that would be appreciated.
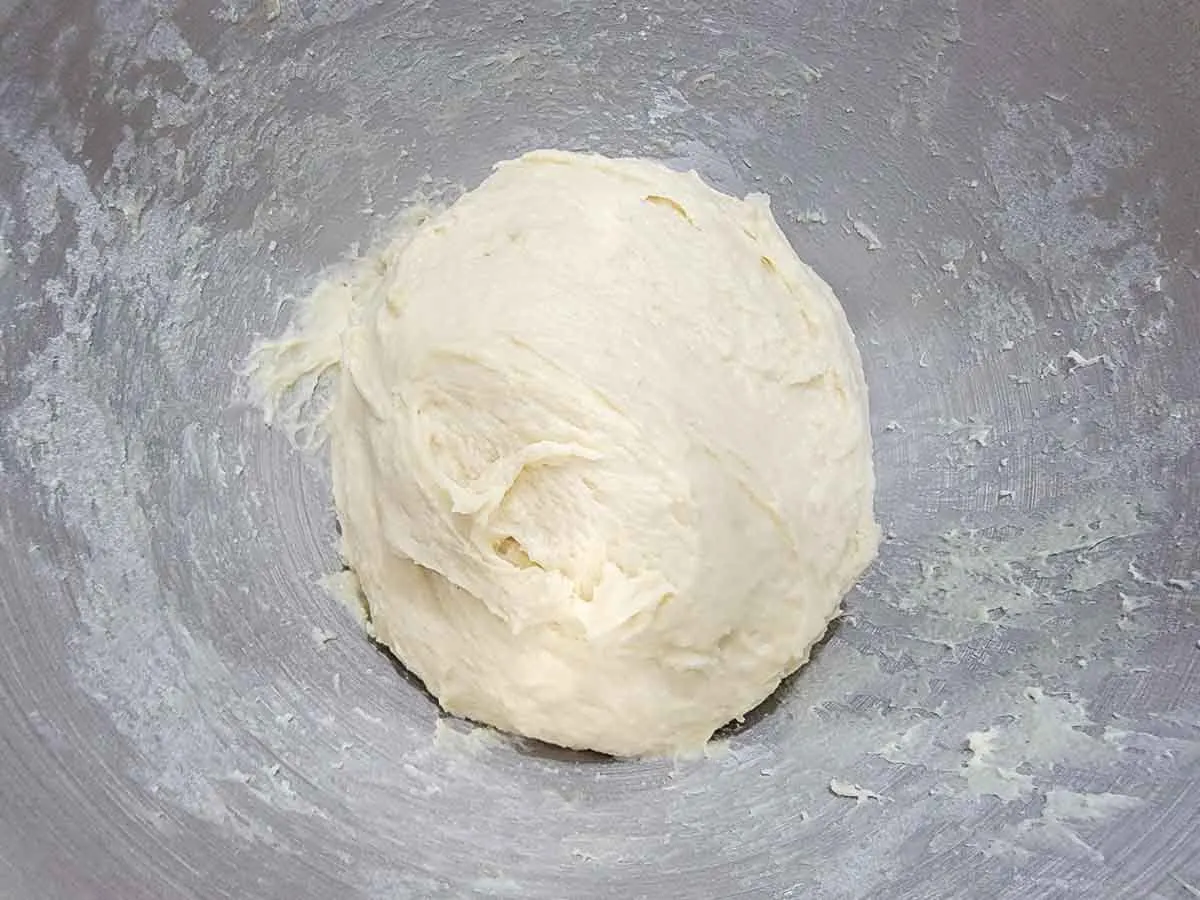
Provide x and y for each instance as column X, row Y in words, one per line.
column 600, row 451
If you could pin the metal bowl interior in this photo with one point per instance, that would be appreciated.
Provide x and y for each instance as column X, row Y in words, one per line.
column 1006, row 198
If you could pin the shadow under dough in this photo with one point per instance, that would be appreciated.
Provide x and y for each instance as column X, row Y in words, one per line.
column 537, row 749
column 751, row 719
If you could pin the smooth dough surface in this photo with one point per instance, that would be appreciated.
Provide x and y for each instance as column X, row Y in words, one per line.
column 600, row 450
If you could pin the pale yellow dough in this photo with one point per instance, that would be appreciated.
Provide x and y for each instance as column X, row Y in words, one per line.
column 600, row 450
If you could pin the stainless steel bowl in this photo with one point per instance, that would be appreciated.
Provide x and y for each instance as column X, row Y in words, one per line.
column 1005, row 196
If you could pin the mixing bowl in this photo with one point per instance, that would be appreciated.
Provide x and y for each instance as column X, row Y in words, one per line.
column 1006, row 197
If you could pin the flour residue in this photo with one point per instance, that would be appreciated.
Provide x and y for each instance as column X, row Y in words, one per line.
column 176, row 545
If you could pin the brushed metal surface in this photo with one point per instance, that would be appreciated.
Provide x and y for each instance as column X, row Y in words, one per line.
column 1005, row 196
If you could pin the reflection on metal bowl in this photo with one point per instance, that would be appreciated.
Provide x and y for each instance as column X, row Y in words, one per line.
column 1006, row 200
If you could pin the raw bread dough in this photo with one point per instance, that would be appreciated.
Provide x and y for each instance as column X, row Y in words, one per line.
column 600, row 450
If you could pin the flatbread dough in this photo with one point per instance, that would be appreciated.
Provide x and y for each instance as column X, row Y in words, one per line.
column 600, row 450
